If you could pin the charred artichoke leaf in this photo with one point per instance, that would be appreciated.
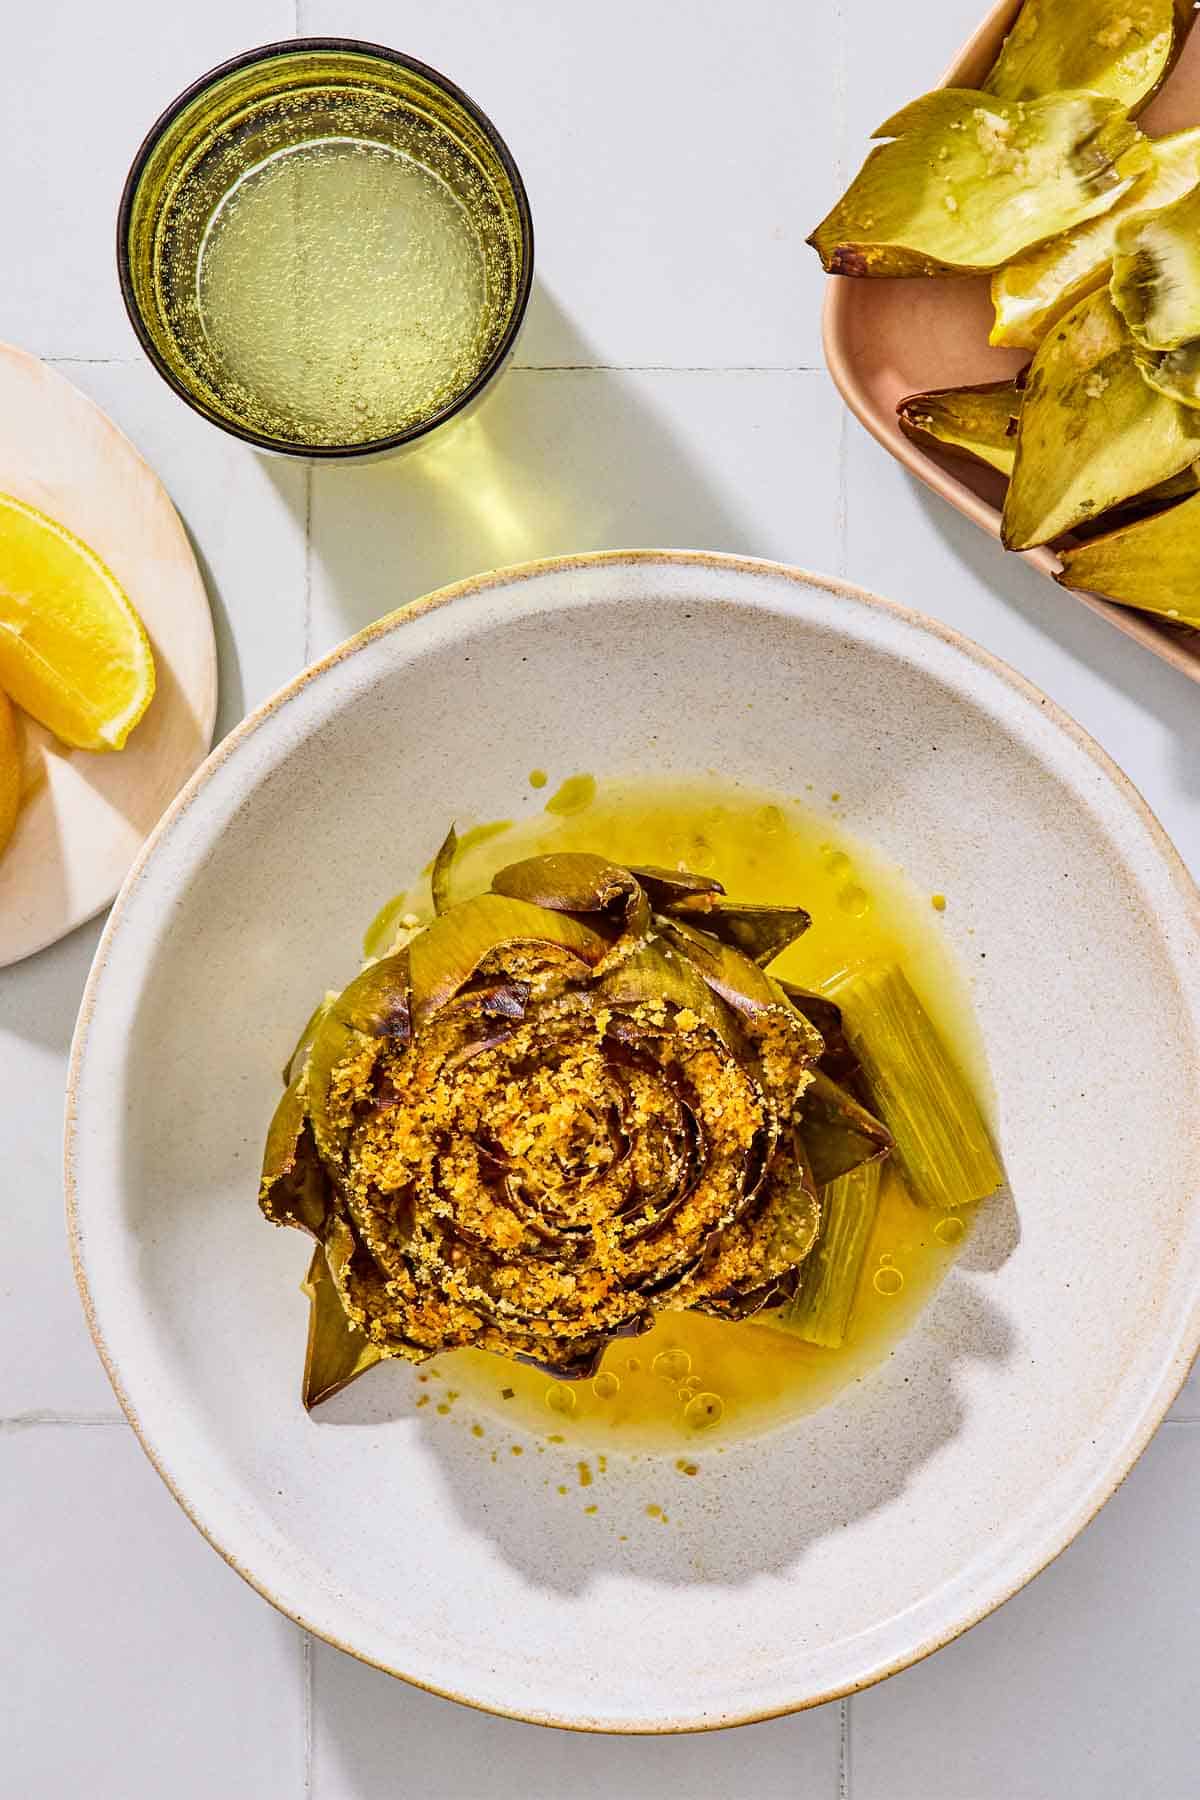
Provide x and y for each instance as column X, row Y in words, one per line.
column 445, row 957
column 760, row 932
column 1121, row 48
column 1156, row 274
column 337, row 1352
column 837, row 1060
column 1153, row 564
column 740, row 983
column 665, row 886
column 838, row 1134
column 1032, row 293
column 658, row 974
column 969, row 181
column 1092, row 432
column 439, row 878
column 979, row 423
column 294, row 1188
column 572, row 881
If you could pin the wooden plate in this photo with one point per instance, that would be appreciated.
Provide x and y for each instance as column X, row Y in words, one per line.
column 886, row 339
column 87, row 814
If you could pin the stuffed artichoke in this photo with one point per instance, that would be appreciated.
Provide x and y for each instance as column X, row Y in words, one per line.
column 557, row 1109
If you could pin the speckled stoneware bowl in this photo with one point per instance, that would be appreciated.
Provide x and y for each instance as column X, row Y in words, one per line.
column 804, row 1564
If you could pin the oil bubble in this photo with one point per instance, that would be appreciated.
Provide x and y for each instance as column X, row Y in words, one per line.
column 560, row 1398
column 672, row 1365
column 837, row 862
column 606, row 1385
column 888, row 1281
column 703, row 1411
column 854, row 900
column 949, row 1230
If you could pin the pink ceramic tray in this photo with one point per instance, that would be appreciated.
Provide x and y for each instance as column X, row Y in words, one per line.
column 886, row 339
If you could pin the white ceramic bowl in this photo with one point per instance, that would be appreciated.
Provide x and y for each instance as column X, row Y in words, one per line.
column 804, row 1564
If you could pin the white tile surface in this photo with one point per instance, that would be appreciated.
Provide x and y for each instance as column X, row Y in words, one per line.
column 581, row 460
column 1084, row 1685
column 367, row 1727
column 675, row 158
column 80, row 85
column 144, row 1666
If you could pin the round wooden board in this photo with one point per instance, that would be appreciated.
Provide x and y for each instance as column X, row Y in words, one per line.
column 87, row 814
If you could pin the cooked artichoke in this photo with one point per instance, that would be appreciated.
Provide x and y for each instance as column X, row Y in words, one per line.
column 1122, row 48
column 1156, row 274
column 969, row 181
column 1033, row 292
column 562, row 1106
column 1174, row 374
column 1153, row 564
column 1092, row 432
column 979, row 423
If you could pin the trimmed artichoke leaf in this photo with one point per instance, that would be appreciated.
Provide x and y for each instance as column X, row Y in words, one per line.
column 337, row 1351
column 572, row 881
column 448, row 954
column 439, row 878
column 979, row 423
column 294, row 1187
column 658, row 974
column 1156, row 274
column 1092, row 432
column 760, row 932
column 1121, row 48
column 1152, row 564
column 1173, row 374
column 665, row 886
column 375, row 1005
column 837, row 1132
column 1032, row 293
column 740, row 983
column 969, row 182
column 304, row 1043
column 837, row 1060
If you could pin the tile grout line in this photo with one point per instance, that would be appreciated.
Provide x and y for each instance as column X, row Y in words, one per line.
column 308, row 511
column 844, row 1749
column 667, row 369
column 306, row 1656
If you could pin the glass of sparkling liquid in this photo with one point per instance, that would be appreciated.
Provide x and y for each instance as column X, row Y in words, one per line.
column 325, row 247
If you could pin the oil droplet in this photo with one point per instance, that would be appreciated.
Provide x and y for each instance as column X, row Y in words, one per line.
column 687, row 1468
column 602, row 1463
column 563, row 1488
column 585, row 1475
column 518, row 1449
column 672, row 1365
column 700, row 856
column 477, row 1431
column 656, row 1512
column 854, row 900
column 422, row 1399
column 538, row 778
column 576, row 793
column 556, row 1437
column 837, row 862
column 691, row 1386
column 835, row 798
column 443, row 1407
column 949, row 1230
column 938, row 902
column 591, row 1509
column 769, row 819
column 888, row 1281
column 885, row 1259
column 703, row 1411
column 560, row 1398
column 606, row 1385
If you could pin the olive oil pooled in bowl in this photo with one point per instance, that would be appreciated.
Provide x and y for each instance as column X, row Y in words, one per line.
column 566, row 1134
column 325, row 247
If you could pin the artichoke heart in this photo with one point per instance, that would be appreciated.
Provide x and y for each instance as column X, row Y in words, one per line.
column 1092, row 432
column 1153, row 564
column 1122, row 48
column 1156, row 274
column 1034, row 292
column 562, row 1106
column 978, row 423
column 969, row 181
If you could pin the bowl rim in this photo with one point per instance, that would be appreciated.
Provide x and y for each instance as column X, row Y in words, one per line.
column 381, row 52
column 1153, row 1409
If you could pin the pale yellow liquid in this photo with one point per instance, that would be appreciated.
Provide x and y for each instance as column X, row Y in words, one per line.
column 342, row 293
column 762, row 848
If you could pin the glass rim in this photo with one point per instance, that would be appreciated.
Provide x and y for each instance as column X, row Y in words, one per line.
column 382, row 53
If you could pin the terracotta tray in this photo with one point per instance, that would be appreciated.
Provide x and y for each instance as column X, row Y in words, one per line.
column 886, row 339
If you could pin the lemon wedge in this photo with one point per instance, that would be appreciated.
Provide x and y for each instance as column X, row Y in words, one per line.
column 73, row 651
column 10, row 770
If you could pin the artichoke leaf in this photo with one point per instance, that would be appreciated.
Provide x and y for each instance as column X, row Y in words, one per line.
column 1121, row 48
column 1156, row 274
column 1034, row 291
column 376, row 1005
column 1152, row 564
column 577, row 882
column 1092, row 432
column 1173, row 374
column 740, row 983
column 439, row 877
column 761, row 933
column 294, row 1188
column 838, row 1134
column 304, row 1043
column 448, row 954
column 979, row 423
column 665, row 886
column 337, row 1351
column 657, row 974
column 968, row 182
